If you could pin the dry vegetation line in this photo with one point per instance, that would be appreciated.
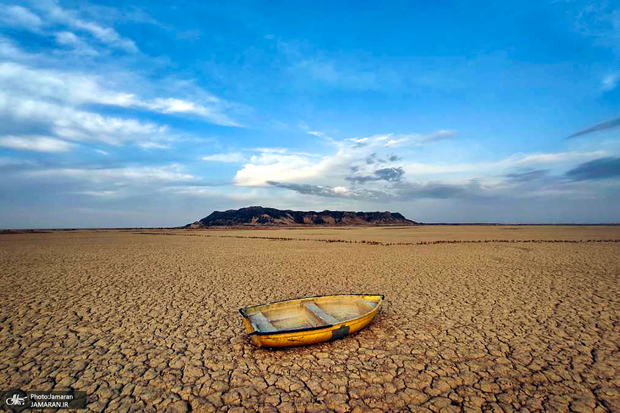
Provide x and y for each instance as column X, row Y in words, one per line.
column 151, row 324
column 389, row 244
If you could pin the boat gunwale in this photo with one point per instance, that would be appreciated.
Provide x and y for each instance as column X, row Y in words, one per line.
column 305, row 329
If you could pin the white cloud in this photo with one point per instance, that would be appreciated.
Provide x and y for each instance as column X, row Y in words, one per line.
column 102, row 152
column 69, row 87
column 418, row 139
column 79, row 89
column 101, row 194
column 153, row 145
column 361, row 160
column 78, row 125
column 278, row 167
column 78, row 45
column 393, row 143
column 35, row 143
column 118, row 176
column 232, row 157
column 105, row 35
column 52, row 14
column 281, row 166
column 553, row 158
column 8, row 50
column 270, row 150
column 17, row 16
column 173, row 106
column 30, row 96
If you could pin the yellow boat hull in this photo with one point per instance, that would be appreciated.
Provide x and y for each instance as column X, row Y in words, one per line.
column 342, row 322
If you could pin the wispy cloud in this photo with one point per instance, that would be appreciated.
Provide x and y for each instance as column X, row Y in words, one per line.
column 35, row 143
column 117, row 176
column 603, row 168
column 610, row 124
column 101, row 194
column 231, row 157
column 600, row 21
column 419, row 139
column 76, row 88
column 75, row 124
column 54, row 14
column 610, row 82
column 18, row 16
column 527, row 176
column 77, row 44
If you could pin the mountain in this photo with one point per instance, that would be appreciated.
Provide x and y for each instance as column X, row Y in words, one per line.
column 259, row 216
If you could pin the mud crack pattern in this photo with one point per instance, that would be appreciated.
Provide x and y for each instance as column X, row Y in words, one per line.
column 150, row 323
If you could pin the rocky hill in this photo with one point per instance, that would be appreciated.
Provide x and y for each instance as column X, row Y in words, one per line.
column 259, row 216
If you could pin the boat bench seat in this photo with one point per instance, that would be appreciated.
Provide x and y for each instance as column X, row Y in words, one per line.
column 259, row 320
column 320, row 314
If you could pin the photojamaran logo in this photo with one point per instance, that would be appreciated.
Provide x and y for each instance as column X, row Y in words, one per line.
column 16, row 400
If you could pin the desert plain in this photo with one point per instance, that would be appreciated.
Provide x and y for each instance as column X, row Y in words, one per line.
column 476, row 318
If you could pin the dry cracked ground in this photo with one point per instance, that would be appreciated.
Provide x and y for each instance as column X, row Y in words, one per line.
column 144, row 322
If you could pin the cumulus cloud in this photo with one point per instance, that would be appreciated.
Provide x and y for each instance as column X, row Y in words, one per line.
column 35, row 143
column 367, row 172
column 278, row 167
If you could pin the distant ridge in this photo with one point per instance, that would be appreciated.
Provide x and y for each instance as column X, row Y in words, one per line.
column 259, row 216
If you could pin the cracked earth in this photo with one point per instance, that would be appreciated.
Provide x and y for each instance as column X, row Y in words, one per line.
column 143, row 322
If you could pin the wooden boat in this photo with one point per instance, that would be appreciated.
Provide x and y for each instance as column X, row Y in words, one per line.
column 309, row 320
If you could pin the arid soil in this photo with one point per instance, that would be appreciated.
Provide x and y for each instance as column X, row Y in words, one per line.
column 145, row 322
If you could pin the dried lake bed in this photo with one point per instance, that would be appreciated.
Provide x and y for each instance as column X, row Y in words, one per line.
column 491, row 318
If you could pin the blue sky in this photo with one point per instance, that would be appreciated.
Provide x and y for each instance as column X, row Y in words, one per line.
column 152, row 114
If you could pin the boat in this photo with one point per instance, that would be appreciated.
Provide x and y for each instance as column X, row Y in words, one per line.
column 310, row 320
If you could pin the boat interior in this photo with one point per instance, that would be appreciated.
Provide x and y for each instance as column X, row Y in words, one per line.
column 307, row 313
